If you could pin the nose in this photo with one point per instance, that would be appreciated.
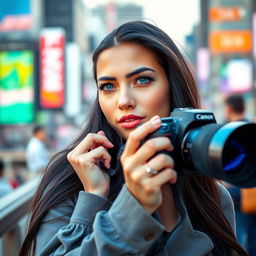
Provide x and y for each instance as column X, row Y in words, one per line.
column 126, row 99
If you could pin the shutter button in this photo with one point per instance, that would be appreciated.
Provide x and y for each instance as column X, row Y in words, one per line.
column 149, row 236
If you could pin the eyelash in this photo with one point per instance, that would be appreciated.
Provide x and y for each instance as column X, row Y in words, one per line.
column 148, row 78
column 102, row 87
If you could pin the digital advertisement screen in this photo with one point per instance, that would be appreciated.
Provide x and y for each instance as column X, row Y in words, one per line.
column 16, row 87
column 236, row 76
column 15, row 15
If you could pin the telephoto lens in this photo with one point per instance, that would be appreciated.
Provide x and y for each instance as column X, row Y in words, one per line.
column 226, row 152
column 203, row 147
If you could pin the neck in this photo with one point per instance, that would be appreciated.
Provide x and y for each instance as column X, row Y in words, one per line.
column 236, row 117
column 38, row 138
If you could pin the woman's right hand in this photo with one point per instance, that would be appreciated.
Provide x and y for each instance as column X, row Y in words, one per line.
column 136, row 158
column 85, row 158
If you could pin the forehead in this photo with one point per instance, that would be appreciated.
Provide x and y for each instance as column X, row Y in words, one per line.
column 128, row 56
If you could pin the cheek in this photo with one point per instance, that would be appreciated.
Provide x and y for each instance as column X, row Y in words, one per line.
column 158, row 102
column 107, row 108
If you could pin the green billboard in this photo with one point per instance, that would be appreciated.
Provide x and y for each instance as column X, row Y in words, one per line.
column 16, row 87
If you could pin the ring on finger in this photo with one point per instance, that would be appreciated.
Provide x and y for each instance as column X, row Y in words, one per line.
column 150, row 170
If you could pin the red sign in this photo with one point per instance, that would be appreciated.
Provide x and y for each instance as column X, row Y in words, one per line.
column 230, row 41
column 52, row 69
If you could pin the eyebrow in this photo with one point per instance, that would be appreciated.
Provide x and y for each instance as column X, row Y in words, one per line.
column 135, row 72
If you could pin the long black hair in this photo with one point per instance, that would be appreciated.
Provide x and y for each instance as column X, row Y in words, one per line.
column 200, row 194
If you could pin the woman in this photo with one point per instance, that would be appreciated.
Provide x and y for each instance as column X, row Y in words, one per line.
column 83, row 207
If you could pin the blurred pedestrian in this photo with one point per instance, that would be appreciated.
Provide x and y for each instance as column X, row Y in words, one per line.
column 17, row 177
column 90, row 201
column 235, row 110
column 37, row 155
column 5, row 187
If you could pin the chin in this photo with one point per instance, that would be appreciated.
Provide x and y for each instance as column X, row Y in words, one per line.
column 125, row 134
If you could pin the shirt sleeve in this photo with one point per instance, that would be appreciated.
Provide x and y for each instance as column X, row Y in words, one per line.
column 93, row 226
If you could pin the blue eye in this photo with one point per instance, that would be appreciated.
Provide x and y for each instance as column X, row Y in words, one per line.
column 144, row 80
column 106, row 87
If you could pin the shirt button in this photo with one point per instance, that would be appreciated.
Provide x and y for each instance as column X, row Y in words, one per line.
column 149, row 236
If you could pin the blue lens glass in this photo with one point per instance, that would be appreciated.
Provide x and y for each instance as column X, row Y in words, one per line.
column 235, row 162
column 235, row 155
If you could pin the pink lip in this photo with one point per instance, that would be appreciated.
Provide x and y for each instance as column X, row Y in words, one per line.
column 133, row 121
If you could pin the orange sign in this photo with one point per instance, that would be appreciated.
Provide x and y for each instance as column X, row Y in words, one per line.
column 230, row 41
column 220, row 14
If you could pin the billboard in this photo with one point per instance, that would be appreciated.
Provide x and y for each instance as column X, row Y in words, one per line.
column 236, row 76
column 52, row 68
column 232, row 41
column 15, row 15
column 203, row 67
column 226, row 13
column 16, row 87
column 254, row 35
column 73, row 84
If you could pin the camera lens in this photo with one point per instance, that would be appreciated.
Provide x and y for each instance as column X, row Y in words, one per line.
column 225, row 152
column 235, row 154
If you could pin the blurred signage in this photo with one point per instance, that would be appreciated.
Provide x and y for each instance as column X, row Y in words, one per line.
column 254, row 35
column 52, row 68
column 15, row 15
column 111, row 16
column 73, row 104
column 226, row 14
column 239, row 74
column 230, row 41
column 230, row 15
column 236, row 76
column 12, row 22
column 16, row 87
column 203, row 67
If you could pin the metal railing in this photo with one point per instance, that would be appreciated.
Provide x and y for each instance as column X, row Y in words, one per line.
column 13, row 214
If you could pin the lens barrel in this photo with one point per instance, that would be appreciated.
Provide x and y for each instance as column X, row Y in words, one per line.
column 226, row 152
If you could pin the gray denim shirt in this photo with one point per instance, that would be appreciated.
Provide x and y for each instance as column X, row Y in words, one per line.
column 90, row 225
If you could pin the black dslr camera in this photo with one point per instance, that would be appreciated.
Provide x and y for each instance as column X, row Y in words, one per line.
column 203, row 147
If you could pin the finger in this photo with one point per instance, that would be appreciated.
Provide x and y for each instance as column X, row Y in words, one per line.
column 135, row 137
column 101, row 133
column 161, row 161
column 167, row 175
column 92, row 157
column 89, row 141
column 100, row 153
column 95, row 145
column 150, row 148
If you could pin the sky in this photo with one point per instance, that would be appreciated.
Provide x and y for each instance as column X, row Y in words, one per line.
column 175, row 17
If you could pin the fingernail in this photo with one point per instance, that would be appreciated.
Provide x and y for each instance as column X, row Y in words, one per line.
column 111, row 144
column 154, row 117
column 155, row 121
